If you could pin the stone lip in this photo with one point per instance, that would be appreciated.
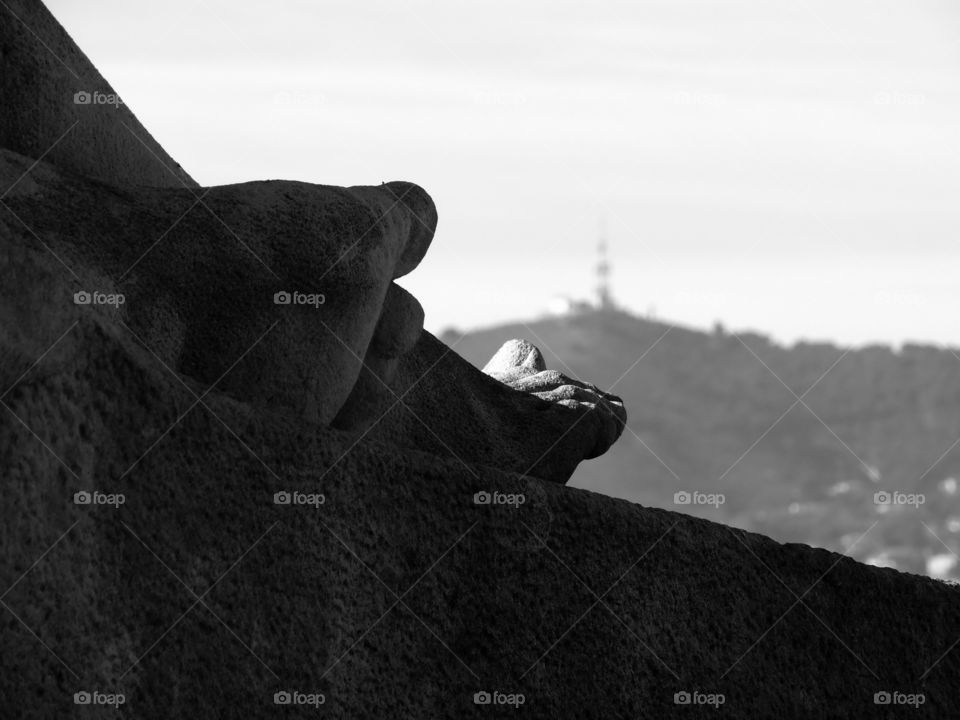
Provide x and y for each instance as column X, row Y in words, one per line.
column 57, row 106
column 417, row 583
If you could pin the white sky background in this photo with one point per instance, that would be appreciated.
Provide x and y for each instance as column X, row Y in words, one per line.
column 786, row 166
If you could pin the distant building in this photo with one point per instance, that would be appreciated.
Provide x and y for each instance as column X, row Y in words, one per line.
column 942, row 565
column 604, row 295
column 562, row 305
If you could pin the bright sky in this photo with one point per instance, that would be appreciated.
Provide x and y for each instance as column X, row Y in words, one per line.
column 786, row 166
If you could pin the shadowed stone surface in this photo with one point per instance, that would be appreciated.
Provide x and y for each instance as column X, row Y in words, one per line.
column 41, row 72
column 521, row 366
column 198, row 267
column 396, row 334
column 440, row 404
column 298, row 597
column 200, row 273
column 407, row 589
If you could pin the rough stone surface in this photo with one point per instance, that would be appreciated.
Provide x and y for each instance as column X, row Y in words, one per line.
column 399, row 326
column 397, row 332
column 200, row 279
column 514, row 356
column 399, row 596
column 521, row 366
column 41, row 72
column 199, row 266
column 439, row 403
column 438, row 564
column 200, row 273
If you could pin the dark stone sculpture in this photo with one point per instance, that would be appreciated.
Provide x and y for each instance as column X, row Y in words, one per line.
column 236, row 474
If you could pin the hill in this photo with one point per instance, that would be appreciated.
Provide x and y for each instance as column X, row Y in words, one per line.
column 798, row 440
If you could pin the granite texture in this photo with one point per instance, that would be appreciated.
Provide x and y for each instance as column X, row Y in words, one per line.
column 399, row 595
column 57, row 106
column 289, row 276
column 211, row 504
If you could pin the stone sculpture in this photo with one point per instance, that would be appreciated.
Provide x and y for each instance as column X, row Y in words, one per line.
column 152, row 349
column 205, row 273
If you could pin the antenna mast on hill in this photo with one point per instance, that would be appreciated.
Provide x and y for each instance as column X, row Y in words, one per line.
column 604, row 298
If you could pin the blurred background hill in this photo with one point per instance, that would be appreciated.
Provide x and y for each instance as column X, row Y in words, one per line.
column 798, row 439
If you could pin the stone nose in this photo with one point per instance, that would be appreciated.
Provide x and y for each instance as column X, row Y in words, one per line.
column 423, row 223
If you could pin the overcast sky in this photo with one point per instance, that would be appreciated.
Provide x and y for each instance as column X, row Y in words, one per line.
column 786, row 166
